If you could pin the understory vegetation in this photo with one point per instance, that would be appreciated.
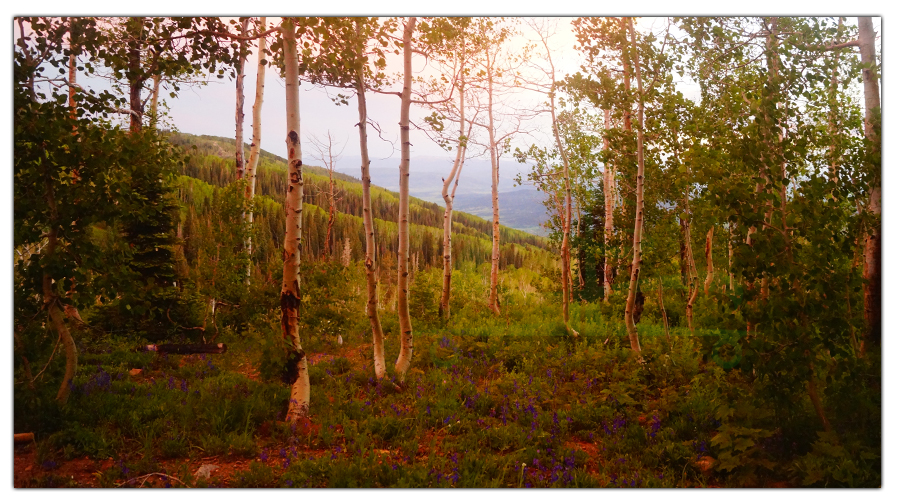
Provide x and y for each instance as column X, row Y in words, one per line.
column 507, row 402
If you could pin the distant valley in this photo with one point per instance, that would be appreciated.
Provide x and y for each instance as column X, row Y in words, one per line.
column 520, row 206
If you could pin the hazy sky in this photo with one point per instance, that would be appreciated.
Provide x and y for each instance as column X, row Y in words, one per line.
column 210, row 109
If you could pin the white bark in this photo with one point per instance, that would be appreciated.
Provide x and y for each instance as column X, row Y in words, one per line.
column 239, row 108
column 639, row 203
column 609, row 186
column 369, row 224
column 298, row 407
column 493, row 299
column 872, row 255
column 253, row 159
column 406, row 347
column 710, row 272
column 448, row 196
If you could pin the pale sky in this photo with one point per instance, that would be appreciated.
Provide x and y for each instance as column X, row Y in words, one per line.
column 210, row 109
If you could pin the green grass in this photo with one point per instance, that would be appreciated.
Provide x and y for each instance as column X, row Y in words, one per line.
column 486, row 404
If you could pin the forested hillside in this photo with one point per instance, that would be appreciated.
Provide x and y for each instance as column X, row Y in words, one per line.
column 209, row 161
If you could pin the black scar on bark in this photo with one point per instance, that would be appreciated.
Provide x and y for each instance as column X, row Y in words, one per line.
column 291, row 370
column 293, row 137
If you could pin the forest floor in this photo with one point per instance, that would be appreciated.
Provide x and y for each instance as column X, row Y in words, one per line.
column 475, row 411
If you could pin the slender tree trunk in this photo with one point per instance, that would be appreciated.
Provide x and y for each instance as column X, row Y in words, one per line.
column 298, row 406
column 813, row 392
column 51, row 300
column 444, row 308
column 609, row 187
column 639, row 203
column 136, row 79
column 730, row 255
column 154, row 101
column 239, row 106
column 73, row 76
column 565, row 256
column 493, row 299
column 872, row 255
column 406, row 340
column 682, row 253
column 710, row 273
column 832, row 109
column 328, row 232
column 662, row 309
column 369, row 224
column 253, row 159
column 581, row 252
column 693, row 278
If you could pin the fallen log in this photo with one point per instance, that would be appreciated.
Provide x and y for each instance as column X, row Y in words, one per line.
column 25, row 437
column 187, row 348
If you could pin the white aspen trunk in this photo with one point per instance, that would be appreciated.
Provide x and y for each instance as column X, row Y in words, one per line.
column 662, row 309
column 730, row 255
column 832, row 109
column 51, row 301
column 326, row 253
column 298, row 407
column 135, row 29
column 73, row 75
column 709, row 262
column 448, row 196
column 154, row 101
column 608, row 214
column 872, row 254
column 493, row 298
column 369, row 226
column 406, row 345
column 567, row 214
column 579, row 260
column 253, row 159
column 239, row 107
column 639, row 204
column 693, row 278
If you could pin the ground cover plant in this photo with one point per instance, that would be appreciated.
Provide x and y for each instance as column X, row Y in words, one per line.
column 485, row 405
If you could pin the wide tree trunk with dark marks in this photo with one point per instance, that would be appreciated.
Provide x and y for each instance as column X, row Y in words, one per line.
column 298, row 406
column 872, row 97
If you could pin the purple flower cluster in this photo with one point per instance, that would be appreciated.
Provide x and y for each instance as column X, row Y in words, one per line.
column 100, row 381
column 617, row 423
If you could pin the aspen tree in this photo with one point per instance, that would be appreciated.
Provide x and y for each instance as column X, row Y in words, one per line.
column 549, row 89
column 872, row 101
column 609, row 186
column 368, row 220
column 298, row 407
column 639, row 199
column 239, row 104
column 453, row 178
column 253, row 158
column 406, row 339
column 351, row 55
column 709, row 261
column 497, row 69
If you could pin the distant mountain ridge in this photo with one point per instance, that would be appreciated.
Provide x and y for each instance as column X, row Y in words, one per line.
column 521, row 206
column 210, row 159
